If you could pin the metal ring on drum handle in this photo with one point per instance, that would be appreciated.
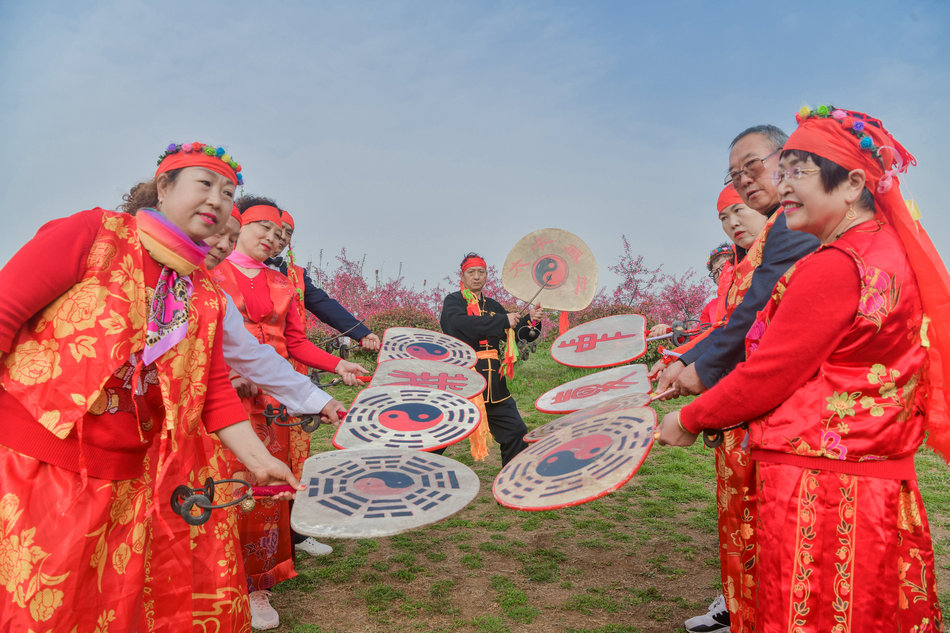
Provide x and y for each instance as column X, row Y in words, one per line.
column 308, row 423
column 185, row 498
column 714, row 437
column 185, row 510
column 271, row 415
column 181, row 493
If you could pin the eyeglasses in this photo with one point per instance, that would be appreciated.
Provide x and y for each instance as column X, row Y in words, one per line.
column 781, row 175
column 753, row 168
column 715, row 272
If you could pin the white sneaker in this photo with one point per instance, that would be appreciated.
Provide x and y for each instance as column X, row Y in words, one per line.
column 715, row 620
column 313, row 547
column 263, row 616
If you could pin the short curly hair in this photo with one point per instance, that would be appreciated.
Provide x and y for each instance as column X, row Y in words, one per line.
column 246, row 202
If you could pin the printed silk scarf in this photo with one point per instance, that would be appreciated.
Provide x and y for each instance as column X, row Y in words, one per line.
column 179, row 256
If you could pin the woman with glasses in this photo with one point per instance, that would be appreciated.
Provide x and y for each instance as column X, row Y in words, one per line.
column 839, row 409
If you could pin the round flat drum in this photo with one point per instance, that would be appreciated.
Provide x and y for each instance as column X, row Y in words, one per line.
column 412, row 342
column 630, row 401
column 431, row 374
column 558, row 261
column 368, row 493
column 594, row 389
column 406, row 417
column 580, row 463
column 606, row 342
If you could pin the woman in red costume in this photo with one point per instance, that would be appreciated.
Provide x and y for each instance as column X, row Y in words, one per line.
column 110, row 349
column 266, row 300
column 841, row 397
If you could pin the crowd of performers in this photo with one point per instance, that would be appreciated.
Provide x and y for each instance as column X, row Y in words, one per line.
column 145, row 358
column 825, row 371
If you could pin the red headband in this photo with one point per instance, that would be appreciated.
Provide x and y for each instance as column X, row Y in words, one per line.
column 182, row 159
column 286, row 217
column 727, row 197
column 473, row 261
column 259, row 213
column 235, row 213
column 854, row 140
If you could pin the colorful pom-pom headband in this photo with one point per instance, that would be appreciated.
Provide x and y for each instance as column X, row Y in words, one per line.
column 850, row 123
column 856, row 125
column 207, row 150
column 725, row 249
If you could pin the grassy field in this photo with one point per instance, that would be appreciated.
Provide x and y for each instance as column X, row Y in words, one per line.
column 642, row 559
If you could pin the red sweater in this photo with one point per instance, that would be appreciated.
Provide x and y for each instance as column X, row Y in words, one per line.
column 815, row 314
column 116, row 440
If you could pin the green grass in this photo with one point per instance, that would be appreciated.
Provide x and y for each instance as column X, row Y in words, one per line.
column 541, row 565
column 513, row 601
column 381, row 597
column 593, row 600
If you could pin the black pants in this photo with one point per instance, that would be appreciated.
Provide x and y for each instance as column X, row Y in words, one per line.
column 507, row 428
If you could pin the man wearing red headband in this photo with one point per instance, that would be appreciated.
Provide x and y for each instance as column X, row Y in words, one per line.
column 316, row 300
column 482, row 322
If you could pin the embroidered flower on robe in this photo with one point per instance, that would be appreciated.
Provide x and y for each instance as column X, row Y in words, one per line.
column 841, row 403
column 879, row 293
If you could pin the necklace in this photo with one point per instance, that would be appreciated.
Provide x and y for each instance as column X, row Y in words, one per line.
column 851, row 225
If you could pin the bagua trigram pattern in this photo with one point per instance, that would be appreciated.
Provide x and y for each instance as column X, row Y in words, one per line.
column 425, row 345
column 420, row 485
column 363, row 419
column 629, row 437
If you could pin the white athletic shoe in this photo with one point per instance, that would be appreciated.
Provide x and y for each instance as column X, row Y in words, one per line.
column 313, row 547
column 263, row 616
column 715, row 620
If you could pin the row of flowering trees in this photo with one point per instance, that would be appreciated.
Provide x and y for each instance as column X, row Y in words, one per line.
column 381, row 304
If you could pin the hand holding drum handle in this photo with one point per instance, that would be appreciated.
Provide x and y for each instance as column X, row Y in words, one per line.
column 185, row 498
column 308, row 423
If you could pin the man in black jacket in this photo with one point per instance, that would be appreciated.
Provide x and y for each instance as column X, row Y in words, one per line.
column 481, row 322
column 753, row 157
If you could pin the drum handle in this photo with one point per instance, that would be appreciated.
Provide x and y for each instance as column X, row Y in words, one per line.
column 270, row 491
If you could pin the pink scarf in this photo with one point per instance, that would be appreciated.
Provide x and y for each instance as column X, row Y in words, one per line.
column 244, row 261
column 179, row 256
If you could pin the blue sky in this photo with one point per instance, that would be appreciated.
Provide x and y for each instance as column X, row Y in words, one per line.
column 413, row 132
